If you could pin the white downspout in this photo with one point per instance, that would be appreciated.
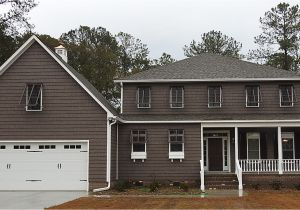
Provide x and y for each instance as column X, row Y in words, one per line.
column 117, row 155
column 108, row 155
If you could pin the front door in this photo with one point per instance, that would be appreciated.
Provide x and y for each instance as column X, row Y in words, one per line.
column 215, row 157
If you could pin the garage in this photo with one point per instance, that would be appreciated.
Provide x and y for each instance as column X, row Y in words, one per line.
column 44, row 165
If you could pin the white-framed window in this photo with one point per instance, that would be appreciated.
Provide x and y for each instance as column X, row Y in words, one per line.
column 288, row 145
column 286, row 95
column 215, row 98
column 177, row 97
column 138, row 140
column 253, row 145
column 144, row 97
column 22, row 147
column 252, row 96
column 176, row 144
column 34, row 97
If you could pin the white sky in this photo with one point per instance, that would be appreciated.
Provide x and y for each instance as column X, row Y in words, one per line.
column 164, row 25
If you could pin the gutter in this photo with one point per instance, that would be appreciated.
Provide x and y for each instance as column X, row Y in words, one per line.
column 110, row 121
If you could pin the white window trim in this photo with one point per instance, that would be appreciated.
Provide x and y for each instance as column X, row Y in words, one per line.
column 253, row 135
column 41, row 107
column 280, row 96
column 182, row 95
column 138, row 155
column 258, row 104
column 176, row 155
column 138, row 98
column 221, row 98
column 289, row 135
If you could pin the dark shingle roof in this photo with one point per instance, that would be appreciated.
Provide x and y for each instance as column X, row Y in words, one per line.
column 209, row 66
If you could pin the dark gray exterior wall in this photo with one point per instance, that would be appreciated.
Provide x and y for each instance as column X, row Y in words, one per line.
column 195, row 100
column 158, row 166
column 69, row 113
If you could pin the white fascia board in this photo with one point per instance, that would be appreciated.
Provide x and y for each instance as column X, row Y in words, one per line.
column 26, row 45
column 207, row 80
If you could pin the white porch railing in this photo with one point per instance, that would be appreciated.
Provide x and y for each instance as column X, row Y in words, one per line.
column 239, row 174
column 291, row 165
column 259, row 165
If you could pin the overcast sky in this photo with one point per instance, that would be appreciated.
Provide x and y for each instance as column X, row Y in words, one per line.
column 164, row 25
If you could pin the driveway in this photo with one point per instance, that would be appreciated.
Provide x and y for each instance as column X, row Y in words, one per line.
column 36, row 199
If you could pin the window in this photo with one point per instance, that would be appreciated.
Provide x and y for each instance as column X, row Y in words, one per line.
column 176, row 144
column 138, row 139
column 253, row 146
column 144, row 97
column 252, row 96
column 34, row 97
column 176, row 97
column 47, row 146
column 72, row 146
column 214, row 96
column 286, row 94
column 2, row 147
column 21, row 146
column 288, row 151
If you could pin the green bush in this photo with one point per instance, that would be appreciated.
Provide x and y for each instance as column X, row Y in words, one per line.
column 276, row 185
column 184, row 187
column 122, row 185
column 154, row 186
column 256, row 186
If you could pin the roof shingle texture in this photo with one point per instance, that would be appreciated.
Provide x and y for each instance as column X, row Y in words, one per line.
column 212, row 66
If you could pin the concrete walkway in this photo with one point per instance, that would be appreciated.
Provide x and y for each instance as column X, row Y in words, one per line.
column 36, row 199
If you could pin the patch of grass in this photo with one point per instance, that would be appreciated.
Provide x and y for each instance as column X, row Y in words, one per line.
column 144, row 189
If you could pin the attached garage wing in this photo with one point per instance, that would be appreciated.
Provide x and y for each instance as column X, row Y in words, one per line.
column 44, row 165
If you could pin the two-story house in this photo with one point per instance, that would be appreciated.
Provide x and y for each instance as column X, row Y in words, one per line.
column 195, row 119
column 213, row 114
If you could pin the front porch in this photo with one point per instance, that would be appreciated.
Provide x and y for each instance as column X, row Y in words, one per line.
column 250, row 148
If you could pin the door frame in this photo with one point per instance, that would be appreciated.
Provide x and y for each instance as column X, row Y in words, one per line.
column 206, row 139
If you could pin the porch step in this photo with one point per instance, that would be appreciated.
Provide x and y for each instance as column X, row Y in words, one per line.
column 221, row 181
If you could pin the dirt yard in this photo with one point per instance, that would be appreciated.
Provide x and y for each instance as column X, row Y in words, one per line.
column 254, row 200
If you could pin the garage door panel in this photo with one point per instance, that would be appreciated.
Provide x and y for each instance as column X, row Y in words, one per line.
column 64, row 167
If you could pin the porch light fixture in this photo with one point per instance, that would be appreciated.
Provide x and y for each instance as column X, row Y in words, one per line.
column 285, row 140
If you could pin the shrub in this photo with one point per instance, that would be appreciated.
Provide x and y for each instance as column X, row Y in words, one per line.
column 297, row 186
column 276, row 185
column 122, row 185
column 184, row 187
column 154, row 186
column 256, row 186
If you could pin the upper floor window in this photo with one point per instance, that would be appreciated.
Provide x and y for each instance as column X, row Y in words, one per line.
column 138, row 140
column 252, row 96
column 34, row 93
column 176, row 144
column 144, row 97
column 214, row 96
column 176, row 97
column 286, row 94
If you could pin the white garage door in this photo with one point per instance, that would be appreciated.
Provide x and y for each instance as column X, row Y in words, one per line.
column 43, row 166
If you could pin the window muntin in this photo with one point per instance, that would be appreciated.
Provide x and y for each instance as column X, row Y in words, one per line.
column 252, row 96
column 214, row 96
column 176, row 140
column 34, row 94
column 138, row 140
column 144, row 97
column 177, row 97
column 286, row 94
column 288, row 146
column 253, row 146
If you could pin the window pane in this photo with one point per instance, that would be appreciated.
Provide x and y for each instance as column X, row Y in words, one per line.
column 144, row 97
column 287, row 148
column 252, row 95
column 253, row 149
column 177, row 97
column 286, row 95
column 136, row 147
column 34, row 96
column 214, row 96
column 253, row 154
column 176, row 147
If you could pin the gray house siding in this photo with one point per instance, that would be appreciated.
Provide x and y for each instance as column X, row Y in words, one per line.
column 195, row 99
column 69, row 113
column 157, row 165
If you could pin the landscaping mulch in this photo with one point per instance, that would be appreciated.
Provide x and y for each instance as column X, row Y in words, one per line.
column 267, row 199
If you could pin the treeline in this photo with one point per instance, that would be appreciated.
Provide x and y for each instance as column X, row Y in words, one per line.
column 102, row 56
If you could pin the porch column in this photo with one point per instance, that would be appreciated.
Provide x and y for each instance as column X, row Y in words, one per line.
column 202, row 161
column 236, row 147
column 279, row 150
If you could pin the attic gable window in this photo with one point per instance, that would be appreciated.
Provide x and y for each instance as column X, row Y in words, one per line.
column 34, row 93
column 252, row 96
column 286, row 94
column 144, row 97
column 214, row 96
column 176, row 97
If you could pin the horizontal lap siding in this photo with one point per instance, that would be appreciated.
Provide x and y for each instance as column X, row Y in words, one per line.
column 158, row 166
column 69, row 113
column 195, row 100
